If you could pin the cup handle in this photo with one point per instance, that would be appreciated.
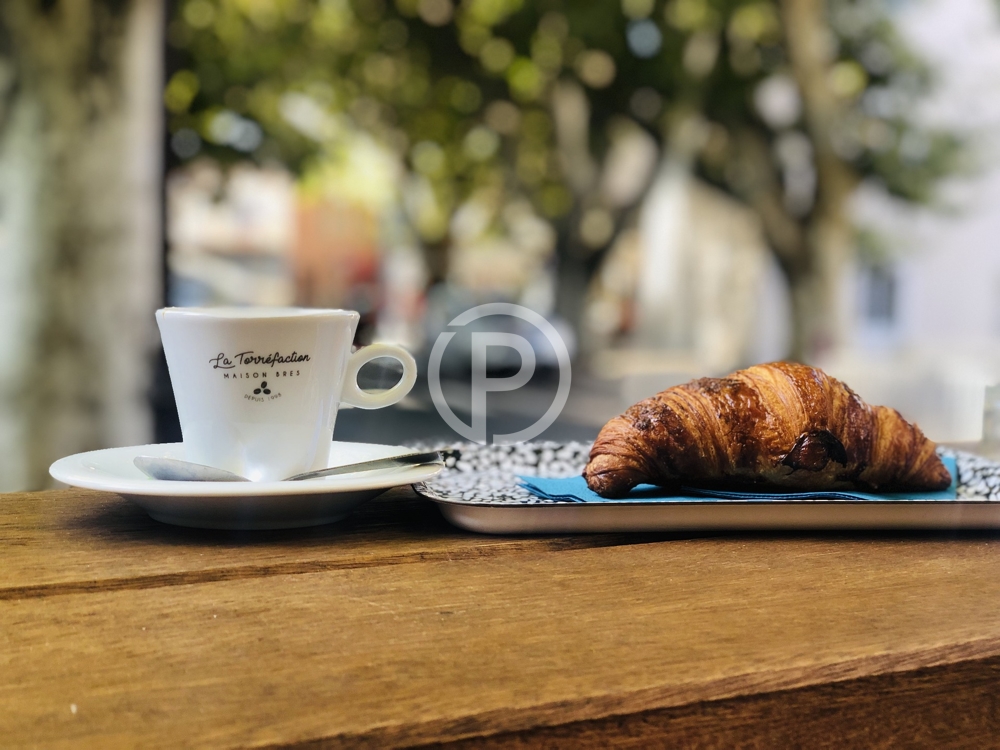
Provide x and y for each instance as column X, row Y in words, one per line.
column 352, row 393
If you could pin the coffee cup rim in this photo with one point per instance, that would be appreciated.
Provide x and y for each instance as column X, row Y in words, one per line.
column 255, row 312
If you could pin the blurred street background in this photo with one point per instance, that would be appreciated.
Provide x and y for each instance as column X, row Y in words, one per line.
column 681, row 187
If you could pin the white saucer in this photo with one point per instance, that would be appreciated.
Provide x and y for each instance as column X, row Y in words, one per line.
column 239, row 505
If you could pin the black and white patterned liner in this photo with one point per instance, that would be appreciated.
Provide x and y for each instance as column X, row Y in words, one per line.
column 978, row 477
column 487, row 474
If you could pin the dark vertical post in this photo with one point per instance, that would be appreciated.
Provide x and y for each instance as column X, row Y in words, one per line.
column 166, row 425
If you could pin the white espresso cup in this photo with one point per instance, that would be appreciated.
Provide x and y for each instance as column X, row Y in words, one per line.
column 258, row 389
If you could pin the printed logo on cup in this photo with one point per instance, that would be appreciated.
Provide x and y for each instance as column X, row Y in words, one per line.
column 252, row 366
column 482, row 384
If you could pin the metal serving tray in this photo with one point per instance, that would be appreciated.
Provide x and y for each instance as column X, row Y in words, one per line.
column 480, row 492
column 571, row 518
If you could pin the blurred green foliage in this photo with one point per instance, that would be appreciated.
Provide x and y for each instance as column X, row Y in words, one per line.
column 464, row 92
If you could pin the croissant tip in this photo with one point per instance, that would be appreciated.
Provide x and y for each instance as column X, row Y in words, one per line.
column 605, row 484
column 943, row 478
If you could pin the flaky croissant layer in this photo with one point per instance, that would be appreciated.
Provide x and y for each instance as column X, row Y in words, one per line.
column 781, row 425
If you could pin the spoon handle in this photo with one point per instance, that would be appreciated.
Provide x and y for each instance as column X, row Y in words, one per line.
column 408, row 459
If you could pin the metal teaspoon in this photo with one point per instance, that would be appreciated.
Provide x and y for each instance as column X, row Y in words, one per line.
column 176, row 470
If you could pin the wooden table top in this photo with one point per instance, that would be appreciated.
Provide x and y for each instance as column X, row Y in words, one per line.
column 394, row 629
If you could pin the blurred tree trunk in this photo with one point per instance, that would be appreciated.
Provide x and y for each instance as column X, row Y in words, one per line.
column 813, row 251
column 80, row 147
column 579, row 258
column 570, row 111
column 818, row 281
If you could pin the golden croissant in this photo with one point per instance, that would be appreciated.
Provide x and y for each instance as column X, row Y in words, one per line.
column 779, row 425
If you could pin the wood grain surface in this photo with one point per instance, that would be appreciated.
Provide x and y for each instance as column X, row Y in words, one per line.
column 953, row 706
column 395, row 630
column 95, row 541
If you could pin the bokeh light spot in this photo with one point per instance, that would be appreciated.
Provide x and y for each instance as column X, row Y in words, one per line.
column 185, row 143
column 227, row 128
column 481, row 143
column 596, row 68
column 637, row 8
column 848, row 79
column 546, row 51
column 497, row 55
column 199, row 13
column 525, row 79
column 757, row 22
column 428, row 158
column 777, row 101
column 435, row 12
column 181, row 91
column 701, row 52
column 689, row 15
column 503, row 117
column 644, row 38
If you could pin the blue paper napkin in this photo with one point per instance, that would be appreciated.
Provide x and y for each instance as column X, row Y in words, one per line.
column 575, row 490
